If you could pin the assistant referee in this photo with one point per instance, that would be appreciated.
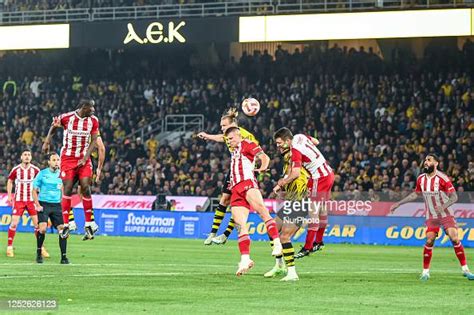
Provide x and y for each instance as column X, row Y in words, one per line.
column 47, row 194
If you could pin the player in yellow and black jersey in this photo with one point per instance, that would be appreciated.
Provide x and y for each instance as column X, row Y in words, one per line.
column 229, row 119
column 288, row 220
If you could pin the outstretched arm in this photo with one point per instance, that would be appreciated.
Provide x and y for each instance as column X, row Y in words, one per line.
column 47, row 141
column 408, row 198
column 205, row 136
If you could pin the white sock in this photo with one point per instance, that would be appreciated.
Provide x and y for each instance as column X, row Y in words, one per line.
column 276, row 242
column 426, row 271
column 279, row 262
column 465, row 268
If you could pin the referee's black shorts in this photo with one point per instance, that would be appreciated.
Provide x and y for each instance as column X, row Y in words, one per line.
column 51, row 211
column 225, row 188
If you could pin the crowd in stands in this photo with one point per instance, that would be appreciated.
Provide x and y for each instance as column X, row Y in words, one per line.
column 375, row 119
column 31, row 5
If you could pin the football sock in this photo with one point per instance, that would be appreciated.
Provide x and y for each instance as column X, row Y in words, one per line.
column 244, row 244
column 459, row 250
column 66, row 206
column 39, row 242
column 288, row 254
column 63, row 246
column 323, row 222
column 218, row 217
column 427, row 254
column 230, row 227
column 11, row 235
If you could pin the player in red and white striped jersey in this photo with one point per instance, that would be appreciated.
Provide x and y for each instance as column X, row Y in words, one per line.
column 305, row 154
column 245, row 194
column 22, row 176
column 439, row 194
column 81, row 131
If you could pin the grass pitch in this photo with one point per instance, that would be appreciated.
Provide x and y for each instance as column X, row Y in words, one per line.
column 120, row 275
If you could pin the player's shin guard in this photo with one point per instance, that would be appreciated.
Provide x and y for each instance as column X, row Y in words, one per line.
column 311, row 236
column 459, row 250
column 66, row 206
column 427, row 254
column 218, row 217
column 289, row 254
column 88, row 212
column 11, row 236
column 39, row 242
column 63, row 246
column 230, row 227
column 272, row 229
column 244, row 244
column 323, row 222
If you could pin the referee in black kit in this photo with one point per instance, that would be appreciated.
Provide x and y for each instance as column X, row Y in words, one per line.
column 47, row 194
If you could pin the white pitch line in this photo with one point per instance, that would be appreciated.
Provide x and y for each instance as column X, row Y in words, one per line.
column 112, row 265
column 155, row 274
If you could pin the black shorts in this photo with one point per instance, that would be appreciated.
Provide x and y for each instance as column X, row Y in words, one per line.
column 225, row 188
column 51, row 211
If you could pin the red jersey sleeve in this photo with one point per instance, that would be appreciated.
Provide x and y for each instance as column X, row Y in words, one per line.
column 95, row 126
column 296, row 158
column 250, row 149
column 418, row 185
column 12, row 175
column 64, row 118
column 447, row 186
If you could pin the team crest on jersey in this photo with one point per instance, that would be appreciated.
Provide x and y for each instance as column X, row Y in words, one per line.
column 63, row 174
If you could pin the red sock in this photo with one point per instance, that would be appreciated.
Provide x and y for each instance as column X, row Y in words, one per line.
column 11, row 236
column 459, row 250
column 323, row 222
column 244, row 244
column 272, row 229
column 65, row 206
column 427, row 254
column 310, row 236
column 87, row 203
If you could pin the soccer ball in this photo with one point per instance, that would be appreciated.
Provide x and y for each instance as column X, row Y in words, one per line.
column 250, row 107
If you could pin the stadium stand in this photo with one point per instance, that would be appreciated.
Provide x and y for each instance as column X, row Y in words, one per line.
column 375, row 123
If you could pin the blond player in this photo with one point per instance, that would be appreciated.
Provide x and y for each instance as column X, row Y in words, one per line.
column 229, row 119
column 246, row 195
